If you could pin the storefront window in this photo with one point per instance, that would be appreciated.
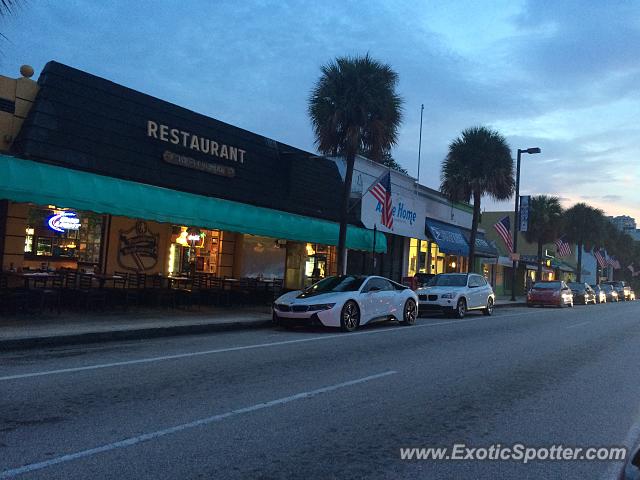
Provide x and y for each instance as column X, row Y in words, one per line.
column 318, row 262
column 194, row 248
column 436, row 262
column 63, row 234
column 413, row 257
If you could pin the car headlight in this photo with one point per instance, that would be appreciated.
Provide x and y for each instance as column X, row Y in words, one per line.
column 447, row 295
column 322, row 306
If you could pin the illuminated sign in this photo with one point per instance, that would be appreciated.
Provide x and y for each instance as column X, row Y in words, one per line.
column 63, row 221
column 192, row 238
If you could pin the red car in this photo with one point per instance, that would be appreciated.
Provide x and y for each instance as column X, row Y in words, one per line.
column 555, row 293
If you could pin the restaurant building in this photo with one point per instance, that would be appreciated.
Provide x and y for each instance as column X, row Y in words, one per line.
column 102, row 178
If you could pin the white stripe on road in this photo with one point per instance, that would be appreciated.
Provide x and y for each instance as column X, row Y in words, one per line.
column 128, row 442
column 578, row 324
column 244, row 347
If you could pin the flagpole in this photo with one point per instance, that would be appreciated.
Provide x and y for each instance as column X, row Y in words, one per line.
column 373, row 249
column 420, row 141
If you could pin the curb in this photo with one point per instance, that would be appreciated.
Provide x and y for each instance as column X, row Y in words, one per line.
column 510, row 304
column 117, row 335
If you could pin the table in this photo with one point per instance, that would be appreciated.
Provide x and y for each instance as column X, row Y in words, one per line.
column 105, row 277
column 178, row 280
column 31, row 276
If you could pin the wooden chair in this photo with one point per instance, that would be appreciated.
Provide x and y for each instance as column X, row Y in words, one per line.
column 88, row 295
column 157, row 293
column 12, row 299
column 47, row 292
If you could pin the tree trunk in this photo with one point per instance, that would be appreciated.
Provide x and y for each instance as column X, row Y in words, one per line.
column 344, row 215
column 474, row 231
column 579, row 272
column 539, row 274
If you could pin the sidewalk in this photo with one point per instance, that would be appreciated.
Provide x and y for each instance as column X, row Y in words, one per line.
column 50, row 329
column 505, row 301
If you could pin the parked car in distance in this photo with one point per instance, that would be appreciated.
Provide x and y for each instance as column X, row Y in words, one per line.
column 601, row 295
column 610, row 292
column 347, row 301
column 632, row 295
column 457, row 293
column 552, row 293
column 582, row 293
column 624, row 290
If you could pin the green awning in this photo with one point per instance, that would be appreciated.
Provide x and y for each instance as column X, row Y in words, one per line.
column 28, row 181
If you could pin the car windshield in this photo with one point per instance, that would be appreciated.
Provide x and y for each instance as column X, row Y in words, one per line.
column 575, row 286
column 606, row 288
column 445, row 280
column 547, row 286
column 341, row 283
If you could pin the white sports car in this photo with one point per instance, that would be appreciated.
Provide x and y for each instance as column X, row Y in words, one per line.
column 347, row 301
column 457, row 293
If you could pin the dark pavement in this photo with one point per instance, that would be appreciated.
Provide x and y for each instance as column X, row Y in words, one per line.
column 316, row 403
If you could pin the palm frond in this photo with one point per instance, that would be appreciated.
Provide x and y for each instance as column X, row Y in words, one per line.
column 354, row 107
column 478, row 161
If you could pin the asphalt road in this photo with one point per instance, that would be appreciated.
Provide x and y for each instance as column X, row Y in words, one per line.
column 316, row 403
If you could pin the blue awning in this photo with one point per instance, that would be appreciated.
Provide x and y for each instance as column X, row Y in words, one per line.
column 449, row 238
column 484, row 248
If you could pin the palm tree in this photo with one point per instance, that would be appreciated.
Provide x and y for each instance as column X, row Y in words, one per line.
column 584, row 226
column 354, row 107
column 478, row 163
column 545, row 221
column 7, row 7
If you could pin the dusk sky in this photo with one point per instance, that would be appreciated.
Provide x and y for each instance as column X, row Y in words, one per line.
column 560, row 75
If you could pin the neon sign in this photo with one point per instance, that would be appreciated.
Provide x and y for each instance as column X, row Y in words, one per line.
column 63, row 221
column 191, row 238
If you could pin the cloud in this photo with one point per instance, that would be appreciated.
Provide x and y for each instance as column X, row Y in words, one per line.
column 563, row 75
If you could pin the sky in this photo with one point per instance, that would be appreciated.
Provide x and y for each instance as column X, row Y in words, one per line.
column 560, row 75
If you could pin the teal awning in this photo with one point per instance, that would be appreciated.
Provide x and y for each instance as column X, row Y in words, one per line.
column 28, row 181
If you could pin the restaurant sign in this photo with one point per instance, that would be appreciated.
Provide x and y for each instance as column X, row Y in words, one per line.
column 203, row 166
column 138, row 248
column 194, row 142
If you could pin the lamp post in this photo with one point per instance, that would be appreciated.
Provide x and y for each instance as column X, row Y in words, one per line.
column 516, row 218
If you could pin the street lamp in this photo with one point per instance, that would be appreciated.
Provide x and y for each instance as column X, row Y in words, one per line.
column 516, row 218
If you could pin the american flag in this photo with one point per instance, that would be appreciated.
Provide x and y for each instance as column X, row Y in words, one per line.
column 503, row 227
column 614, row 263
column 382, row 192
column 562, row 247
column 600, row 257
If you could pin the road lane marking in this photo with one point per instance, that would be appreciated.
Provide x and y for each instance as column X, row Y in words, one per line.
column 128, row 442
column 578, row 324
column 244, row 347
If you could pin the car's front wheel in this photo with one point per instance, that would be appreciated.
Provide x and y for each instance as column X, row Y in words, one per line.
column 461, row 308
column 410, row 312
column 488, row 310
column 349, row 316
